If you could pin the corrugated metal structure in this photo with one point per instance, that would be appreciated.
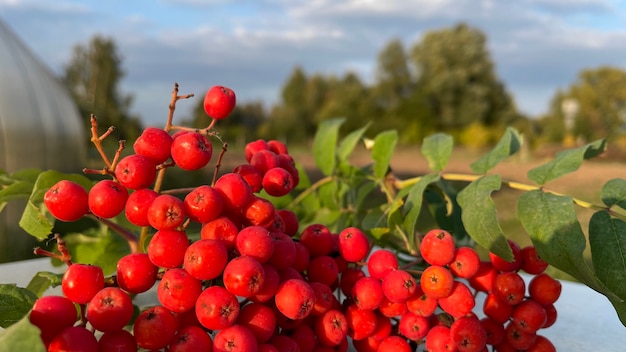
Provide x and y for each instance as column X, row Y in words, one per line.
column 39, row 128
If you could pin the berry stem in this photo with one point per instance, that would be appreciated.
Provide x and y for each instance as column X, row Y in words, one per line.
column 218, row 164
column 133, row 243
column 97, row 140
column 63, row 254
column 310, row 190
column 172, row 106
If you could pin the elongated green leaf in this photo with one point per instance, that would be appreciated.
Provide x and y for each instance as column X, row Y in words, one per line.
column 382, row 151
column 15, row 302
column 607, row 239
column 22, row 336
column 508, row 145
column 347, row 144
column 437, row 150
column 550, row 221
column 325, row 145
column 565, row 162
column 614, row 193
column 620, row 308
column 480, row 215
column 42, row 281
column 413, row 204
column 35, row 220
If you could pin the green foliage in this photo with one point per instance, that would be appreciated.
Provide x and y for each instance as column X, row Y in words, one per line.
column 93, row 76
column 15, row 302
column 21, row 336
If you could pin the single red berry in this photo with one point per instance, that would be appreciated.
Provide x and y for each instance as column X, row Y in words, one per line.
column 136, row 273
column 295, row 299
column 256, row 242
column 544, row 289
column 166, row 212
column 532, row 263
column 438, row 339
column 135, row 171
column 510, row 287
column 459, row 302
column 110, row 309
column 291, row 221
column 542, row 344
column 284, row 253
column 466, row 262
column 206, row 259
column 278, row 182
column 154, row 328
column 399, row 285
column 66, row 201
column 191, row 338
column 367, row 293
column 331, row 327
column 381, row 262
column 348, row 279
column 155, row 144
column 529, row 315
column 234, row 338
column 219, row 101
column 468, row 334
column 392, row 309
column 81, row 282
column 277, row 147
column 52, row 314
column 353, row 244
column 518, row 338
column 74, row 338
column 178, row 290
column 394, row 343
column 317, row 239
column 253, row 147
column 216, row 308
column 203, row 204
column 437, row 281
column 137, row 205
column 260, row 212
column 323, row 269
column 324, row 298
column 235, row 191
column 107, row 199
column 484, row 278
column 244, row 276
column 119, row 341
column 438, row 247
column 191, row 151
column 421, row 303
column 264, row 160
column 497, row 309
column 222, row 229
column 494, row 330
column 413, row 326
column 270, row 285
column 167, row 248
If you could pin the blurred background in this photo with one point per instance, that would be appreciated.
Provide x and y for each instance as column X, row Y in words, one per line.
column 554, row 69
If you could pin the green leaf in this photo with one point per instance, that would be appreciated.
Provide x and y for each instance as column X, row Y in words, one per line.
column 35, row 220
column 98, row 247
column 614, row 193
column 349, row 142
column 550, row 221
column 22, row 336
column 26, row 175
column 325, row 144
column 413, row 204
column 508, row 145
column 607, row 239
column 480, row 218
column 382, row 151
column 620, row 308
column 437, row 150
column 42, row 281
column 565, row 162
column 15, row 303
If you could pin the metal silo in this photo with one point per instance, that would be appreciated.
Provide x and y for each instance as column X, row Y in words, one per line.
column 39, row 128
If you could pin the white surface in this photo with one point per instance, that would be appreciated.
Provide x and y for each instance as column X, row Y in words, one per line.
column 586, row 319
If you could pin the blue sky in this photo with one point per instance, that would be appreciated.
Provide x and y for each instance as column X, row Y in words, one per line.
column 538, row 46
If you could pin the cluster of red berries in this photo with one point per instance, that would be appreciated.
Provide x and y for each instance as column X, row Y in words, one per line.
column 255, row 281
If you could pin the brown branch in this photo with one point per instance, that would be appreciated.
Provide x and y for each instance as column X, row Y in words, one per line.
column 219, row 163
column 97, row 140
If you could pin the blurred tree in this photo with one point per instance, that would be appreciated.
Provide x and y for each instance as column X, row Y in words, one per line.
column 93, row 76
column 601, row 97
column 457, row 75
column 394, row 82
column 347, row 97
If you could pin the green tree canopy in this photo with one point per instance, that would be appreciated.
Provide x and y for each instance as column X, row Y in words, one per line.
column 456, row 73
column 93, row 76
column 601, row 96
